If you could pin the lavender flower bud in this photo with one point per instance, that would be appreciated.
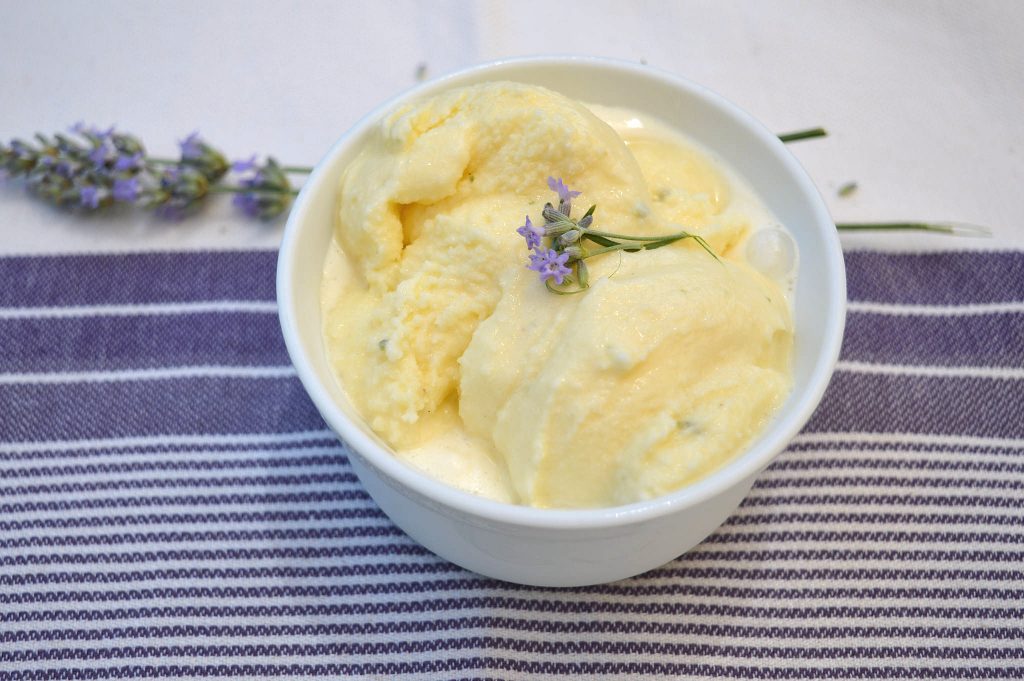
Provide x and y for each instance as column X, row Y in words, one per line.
column 204, row 158
column 269, row 193
column 178, row 192
column 89, row 197
column 575, row 253
column 582, row 274
column 586, row 220
column 570, row 237
column 551, row 215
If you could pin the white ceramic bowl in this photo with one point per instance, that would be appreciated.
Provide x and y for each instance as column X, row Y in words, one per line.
column 575, row 547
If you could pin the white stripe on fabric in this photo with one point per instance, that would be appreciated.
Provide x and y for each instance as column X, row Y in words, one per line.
column 935, row 310
column 164, row 441
column 460, row 592
column 1007, row 373
column 637, row 590
column 140, row 309
column 907, row 438
column 194, row 458
column 500, row 631
column 161, row 374
column 625, row 655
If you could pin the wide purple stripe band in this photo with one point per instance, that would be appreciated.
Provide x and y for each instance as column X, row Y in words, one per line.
column 947, row 278
column 110, row 279
column 34, row 281
column 179, row 406
column 140, row 342
column 247, row 338
column 972, row 340
column 882, row 403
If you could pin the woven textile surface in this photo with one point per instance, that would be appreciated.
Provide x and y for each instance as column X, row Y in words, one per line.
column 171, row 504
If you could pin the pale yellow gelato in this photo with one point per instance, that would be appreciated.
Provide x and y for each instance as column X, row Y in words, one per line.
column 460, row 358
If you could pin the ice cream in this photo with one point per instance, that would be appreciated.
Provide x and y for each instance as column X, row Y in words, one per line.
column 456, row 355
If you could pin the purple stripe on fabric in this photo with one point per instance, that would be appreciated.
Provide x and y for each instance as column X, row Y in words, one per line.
column 882, row 403
column 970, row 340
column 198, row 573
column 489, row 662
column 121, row 342
column 949, row 278
column 167, row 483
column 419, row 605
column 210, row 593
column 531, row 646
column 155, row 407
column 856, row 444
column 846, row 462
column 180, row 519
column 290, row 534
column 47, row 281
column 781, row 537
column 825, row 518
column 536, row 626
column 887, row 482
column 759, row 578
column 127, row 450
column 873, row 498
column 156, row 501
column 157, row 554
column 702, row 553
column 298, row 459
column 888, row 575
column 176, row 465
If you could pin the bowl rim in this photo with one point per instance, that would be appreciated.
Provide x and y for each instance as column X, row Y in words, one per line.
column 744, row 465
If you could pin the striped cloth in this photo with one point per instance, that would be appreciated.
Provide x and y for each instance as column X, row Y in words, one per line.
column 172, row 505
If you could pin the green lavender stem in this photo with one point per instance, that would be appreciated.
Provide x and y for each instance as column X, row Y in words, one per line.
column 228, row 189
column 803, row 134
column 955, row 228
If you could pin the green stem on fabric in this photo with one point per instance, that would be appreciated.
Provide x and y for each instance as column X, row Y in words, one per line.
column 221, row 189
column 954, row 228
column 803, row 134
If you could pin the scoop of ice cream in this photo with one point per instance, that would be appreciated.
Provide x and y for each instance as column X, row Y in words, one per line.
column 647, row 381
column 660, row 371
column 428, row 212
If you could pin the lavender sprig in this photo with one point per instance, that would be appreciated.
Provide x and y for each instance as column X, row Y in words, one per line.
column 266, row 191
column 560, row 262
column 93, row 169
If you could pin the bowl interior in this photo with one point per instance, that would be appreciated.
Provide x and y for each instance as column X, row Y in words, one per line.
column 753, row 151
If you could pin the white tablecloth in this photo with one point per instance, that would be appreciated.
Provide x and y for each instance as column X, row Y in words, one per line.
column 923, row 101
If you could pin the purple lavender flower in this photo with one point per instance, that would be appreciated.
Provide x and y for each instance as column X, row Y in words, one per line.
column 253, row 181
column 192, row 146
column 565, row 195
column 244, row 166
column 248, row 204
column 125, row 162
column 89, row 197
column 531, row 233
column 126, row 190
column 81, row 128
column 100, row 154
column 65, row 169
column 550, row 264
